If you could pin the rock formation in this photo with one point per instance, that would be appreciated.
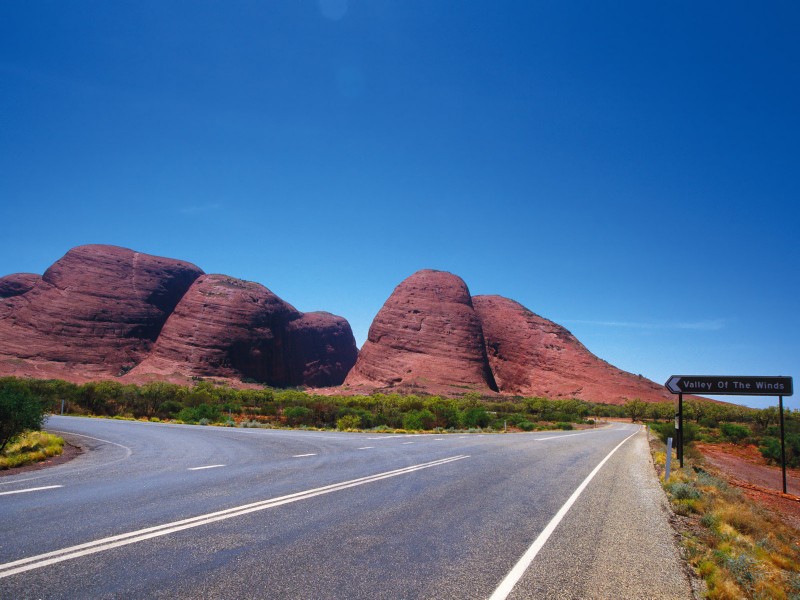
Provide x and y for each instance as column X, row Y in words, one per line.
column 428, row 337
column 532, row 356
column 17, row 284
column 431, row 336
column 104, row 311
column 228, row 327
column 98, row 310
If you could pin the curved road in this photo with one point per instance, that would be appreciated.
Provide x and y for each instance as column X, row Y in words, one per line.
column 174, row 511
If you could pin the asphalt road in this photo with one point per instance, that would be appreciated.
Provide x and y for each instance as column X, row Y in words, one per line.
column 173, row 511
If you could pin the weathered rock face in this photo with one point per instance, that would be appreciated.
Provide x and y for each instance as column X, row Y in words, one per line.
column 321, row 349
column 228, row 327
column 532, row 356
column 17, row 284
column 426, row 336
column 97, row 310
column 13, row 286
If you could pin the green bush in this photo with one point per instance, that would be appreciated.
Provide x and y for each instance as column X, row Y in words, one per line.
column 770, row 448
column 734, row 432
column 667, row 430
column 296, row 415
column 526, row 425
column 419, row 419
column 348, row 422
column 476, row 416
column 565, row 426
column 19, row 410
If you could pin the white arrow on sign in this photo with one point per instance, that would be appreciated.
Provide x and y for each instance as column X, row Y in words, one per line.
column 672, row 384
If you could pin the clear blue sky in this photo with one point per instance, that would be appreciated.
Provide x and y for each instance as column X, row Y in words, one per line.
column 630, row 170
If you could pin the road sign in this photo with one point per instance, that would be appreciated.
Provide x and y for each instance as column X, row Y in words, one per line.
column 725, row 385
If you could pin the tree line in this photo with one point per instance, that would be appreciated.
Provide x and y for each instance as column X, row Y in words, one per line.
column 207, row 402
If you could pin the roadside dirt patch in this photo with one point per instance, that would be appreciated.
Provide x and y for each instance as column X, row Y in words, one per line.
column 744, row 467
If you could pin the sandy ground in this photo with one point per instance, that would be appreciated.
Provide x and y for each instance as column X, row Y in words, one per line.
column 744, row 467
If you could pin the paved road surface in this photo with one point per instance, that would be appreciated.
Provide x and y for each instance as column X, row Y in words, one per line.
column 172, row 511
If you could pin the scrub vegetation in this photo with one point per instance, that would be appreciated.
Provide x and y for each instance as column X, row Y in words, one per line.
column 207, row 403
column 30, row 447
column 739, row 548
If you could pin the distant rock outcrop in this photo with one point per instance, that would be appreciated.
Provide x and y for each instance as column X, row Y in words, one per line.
column 428, row 337
column 431, row 336
column 228, row 327
column 96, row 311
column 104, row 312
column 18, row 284
column 532, row 356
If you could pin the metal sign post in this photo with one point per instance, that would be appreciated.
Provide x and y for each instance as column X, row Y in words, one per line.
column 783, row 445
column 726, row 385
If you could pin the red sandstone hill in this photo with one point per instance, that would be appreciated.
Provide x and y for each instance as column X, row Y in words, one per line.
column 427, row 337
column 239, row 329
column 531, row 356
column 432, row 336
column 102, row 311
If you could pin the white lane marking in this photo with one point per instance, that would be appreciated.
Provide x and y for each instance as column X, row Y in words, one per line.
column 129, row 451
column 72, row 471
column 115, row 541
column 406, row 443
column 366, row 448
column 557, row 437
column 437, row 439
column 206, row 467
column 505, row 587
column 303, row 455
column 36, row 489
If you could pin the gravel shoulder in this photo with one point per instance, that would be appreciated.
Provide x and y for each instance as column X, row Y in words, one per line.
column 619, row 533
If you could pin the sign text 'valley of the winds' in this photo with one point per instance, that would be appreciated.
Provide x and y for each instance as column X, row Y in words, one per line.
column 722, row 385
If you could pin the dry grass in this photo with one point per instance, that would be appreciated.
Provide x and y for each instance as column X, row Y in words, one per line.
column 31, row 447
column 737, row 548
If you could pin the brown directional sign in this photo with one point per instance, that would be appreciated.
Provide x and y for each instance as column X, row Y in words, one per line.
column 725, row 385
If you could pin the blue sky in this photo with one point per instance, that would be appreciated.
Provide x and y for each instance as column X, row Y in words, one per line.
column 627, row 169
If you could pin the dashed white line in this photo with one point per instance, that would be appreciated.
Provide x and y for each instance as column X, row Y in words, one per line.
column 304, row 455
column 36, row 489
column 406, row 443
column 205, row 467
column 366, row 448
column 557, row 437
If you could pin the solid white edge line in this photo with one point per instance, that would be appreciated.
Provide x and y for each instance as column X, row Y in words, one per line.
column 505, row 587
column 36, row 489
column 303, row 455
column 206, row 467
column 56, row 556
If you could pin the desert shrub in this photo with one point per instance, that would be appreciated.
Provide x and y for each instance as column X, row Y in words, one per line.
column 296, row 415
column 365, row 418
column 667, row 430
column 526, row 425
column 348, row 422
column 419, row 419
column 565, row 426
column 188, row 415
column 169, row 408
column 770, row 448
column 476, row 416
column 684, row 491
column 19, row 410
column 734, row 432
